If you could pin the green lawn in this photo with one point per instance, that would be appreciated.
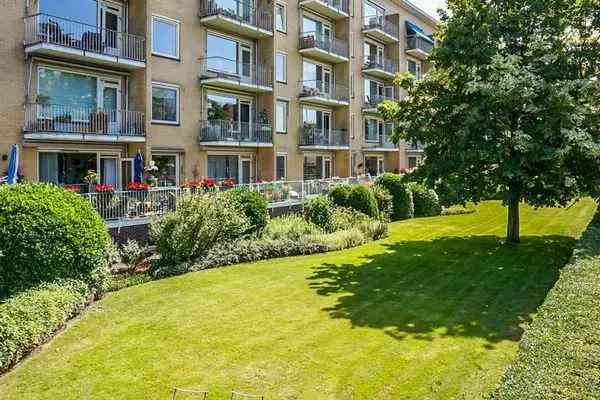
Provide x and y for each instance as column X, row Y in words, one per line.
column 433, row 312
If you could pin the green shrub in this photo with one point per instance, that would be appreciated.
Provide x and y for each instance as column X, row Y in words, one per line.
column 339, row 195
column 132, row 253
column 363, row 200
column 458, row 210
column 319, row 211
column 345, row 218
column 426, row 202
column 403, row 207
column 385, row 201
column 374, row 229
column 28, row 319
column 292, row 227
column 254, row 206
column 339, row 240
column 559, row 354
column 48, row 233
column 200, row 222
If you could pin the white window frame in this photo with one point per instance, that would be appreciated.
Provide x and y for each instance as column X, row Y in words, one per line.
column 284, row 7
column 285, row 169
column 285, row 122
column 177, row 164
column 177, row 39
column 380, row 124
column 178, row 110
column 418, row 68
column 284, row 56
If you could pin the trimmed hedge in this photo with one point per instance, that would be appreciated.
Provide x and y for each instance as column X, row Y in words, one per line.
column 254, row 206
column 426, row 202
column 31, row 317
column 339, row 195
column 48, row 233
column 362, row 199
column 401, row 194
column 559, row 354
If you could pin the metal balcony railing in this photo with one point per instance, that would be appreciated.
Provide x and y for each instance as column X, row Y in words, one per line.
column 372, row 101
column 326, row 43
column 221, row 67
column 233, row 131
column 385, row 64
column 416, row 147
column 416, row 42
column 241, row 11
column 311, row 136
column 44, row 28
column 340, row 5
column 381, row 23
column 380, row 142
column 63, row 119
column 327, row 90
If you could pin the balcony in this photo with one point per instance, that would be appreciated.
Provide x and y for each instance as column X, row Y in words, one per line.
column 372, row 101
column 69, row 123
column 312, row 138
column 323, row 48
column 380, row 143
column 240, row 17
column 418, row 46
column 415, row 148
column 380, row 68
column 229, row 74
column 233, row 133
column 47, row 35
column 324, row 93
column 379, row 28
column 335, row 9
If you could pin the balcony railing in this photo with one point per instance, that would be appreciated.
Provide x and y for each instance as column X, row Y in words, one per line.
column 326, row 90
column 372, row 101
column 240, row 11
column 326, row 43
column 233, row 131
column 416, row 147
column 380, row 142
column 340, row 5
column 381, row 23
column 312, row 136
column 62, row 119
column 386, row 64
column 416, row 42
column 43, row 28
column 251, row 74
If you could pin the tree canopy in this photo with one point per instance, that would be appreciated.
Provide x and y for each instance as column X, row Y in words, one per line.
column 511, row 106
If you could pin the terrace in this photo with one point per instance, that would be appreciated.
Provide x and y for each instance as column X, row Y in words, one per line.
column 230, row 74
column 240, row 17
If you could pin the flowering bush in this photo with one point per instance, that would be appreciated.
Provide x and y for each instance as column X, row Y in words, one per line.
column 104, row 187
column 138, row 186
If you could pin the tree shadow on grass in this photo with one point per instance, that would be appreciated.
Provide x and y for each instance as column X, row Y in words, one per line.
column 455, row 286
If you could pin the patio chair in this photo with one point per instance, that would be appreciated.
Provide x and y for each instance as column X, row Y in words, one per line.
column 239, row 395
column 202, row 394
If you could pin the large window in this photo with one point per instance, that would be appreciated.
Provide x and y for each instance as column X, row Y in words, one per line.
column 223, row 167
column 414, row 67
column 281, row 167
column 168, row 169
column 280, row 17
column 84, row 11
column 63, row 88
column 372, row 13
column 373, row 54
column 228, row 55
column 374, row 165
column 226, row 107
column 165, row 37
column 373, row 129
column 316, row 76
column 282, row 116
column 374, row 91
column 317, row 167
column 318, row 28
column 66, row 168
column 165, row 103
column 281, row 67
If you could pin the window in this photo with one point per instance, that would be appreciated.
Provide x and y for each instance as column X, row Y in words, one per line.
column 281, row 167
column 414, row 67
column 281, row 67
column 168, row 169
column 373, row 14
column 66, row 168
column 280, row 17
column 373, row 129
column 228, row 55
column 412, row 162
column 227, row 107
column 282, row 116
column 316, row 76
column 374, row 91
column 317, row 167
column 67, row 89
column 165, row 37
column 165, row 103
column 223, row 167
column 374, row 55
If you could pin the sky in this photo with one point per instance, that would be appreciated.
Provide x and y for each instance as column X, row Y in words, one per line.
column 430, row 6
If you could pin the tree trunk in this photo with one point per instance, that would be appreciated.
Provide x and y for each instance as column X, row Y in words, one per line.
column 512, row 230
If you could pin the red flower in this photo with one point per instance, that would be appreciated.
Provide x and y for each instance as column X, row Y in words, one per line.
column 73, row 188
column 229, row 182
column 103, row 188
column 138, row 186
column 194, row 183
column 208, row 182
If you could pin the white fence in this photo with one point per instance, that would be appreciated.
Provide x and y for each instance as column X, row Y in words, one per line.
column 143, row 204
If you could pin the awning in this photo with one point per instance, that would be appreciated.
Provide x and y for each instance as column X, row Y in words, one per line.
column 413, row 29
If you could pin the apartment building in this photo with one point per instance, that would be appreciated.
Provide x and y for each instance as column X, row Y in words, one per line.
column 276, row 89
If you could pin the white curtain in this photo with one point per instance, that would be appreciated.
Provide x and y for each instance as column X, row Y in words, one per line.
column 109, row 171
column 48, row 168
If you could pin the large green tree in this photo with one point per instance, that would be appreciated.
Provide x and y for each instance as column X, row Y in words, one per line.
column 512, row 104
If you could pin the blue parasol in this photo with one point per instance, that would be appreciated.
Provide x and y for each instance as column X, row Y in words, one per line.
column 13, row 166
column 138, row 168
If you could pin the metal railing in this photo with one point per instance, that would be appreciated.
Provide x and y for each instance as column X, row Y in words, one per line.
column 380, row 22
column 44, row 28
column 416, row 42
column 224, row 131
column 241, row 11
column 381, row 142
column 221, row 67
column 340, row 5
column 62, row 119
column 416, row 147
column 386, row 64
column 372, row 101
column 311, row 136
column 328, row 90
column 138, row 204
column 326, row 43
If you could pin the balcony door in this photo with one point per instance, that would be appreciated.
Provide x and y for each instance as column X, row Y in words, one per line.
column 111, row 105
column 244, row 119
column 246, row 62
column 317, row 76
column 110, row 23
column 321, row 121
